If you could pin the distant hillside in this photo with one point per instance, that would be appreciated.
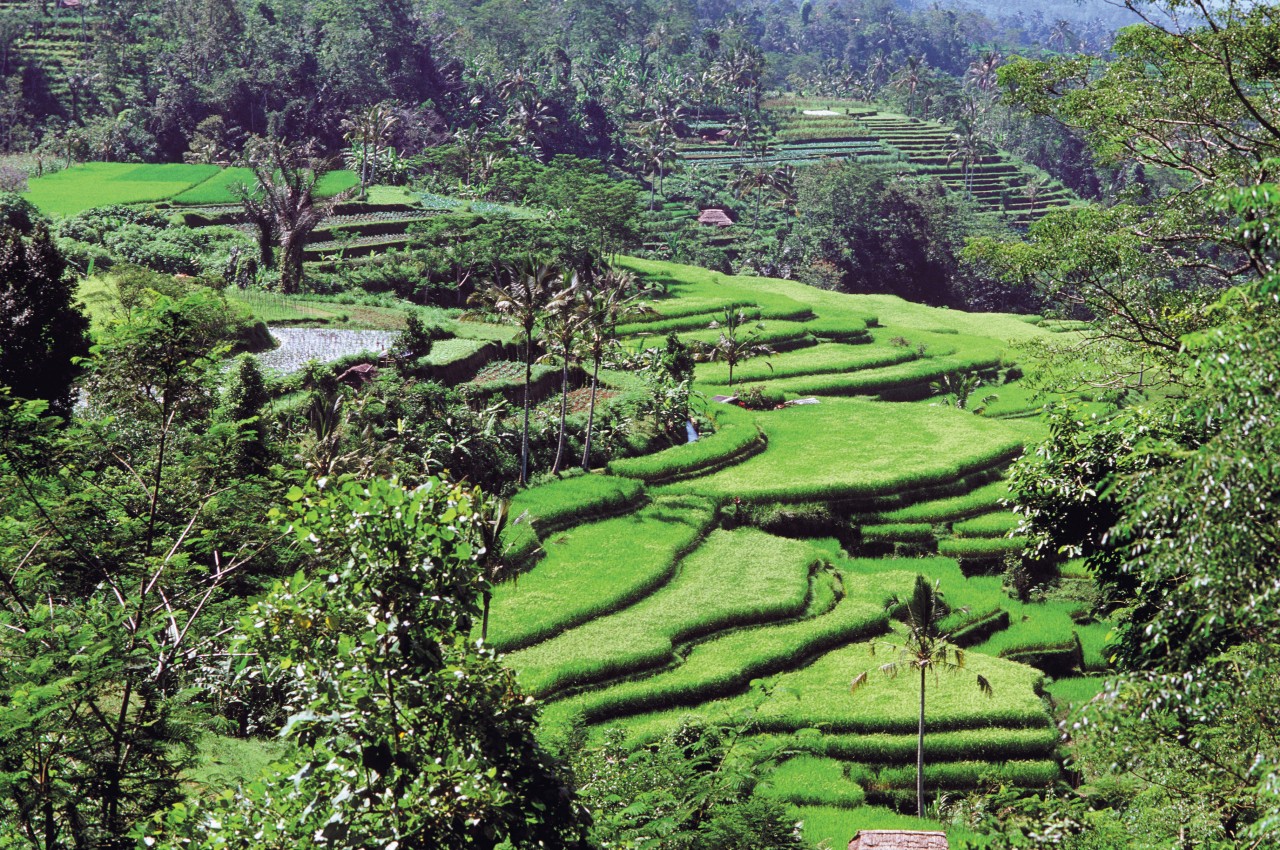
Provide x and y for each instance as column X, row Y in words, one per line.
column 1091, row 16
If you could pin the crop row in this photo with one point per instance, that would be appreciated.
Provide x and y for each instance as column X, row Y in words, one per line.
column 734, row 578
column 821, row 359
column 594, row 569
column 570, row 501
column 726, row 665
column 735, row 437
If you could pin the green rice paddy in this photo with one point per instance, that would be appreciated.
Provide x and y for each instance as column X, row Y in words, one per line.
column 96, row 184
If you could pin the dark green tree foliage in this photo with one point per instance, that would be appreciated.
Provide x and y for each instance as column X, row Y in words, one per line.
column 690, row 790
column 886, row 233
column 125, row 536
column 418, row 739
column 42, row 329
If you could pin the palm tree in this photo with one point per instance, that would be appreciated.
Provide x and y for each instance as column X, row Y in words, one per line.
column 969, row 148
column 612, row 299
column 368, row 132
column 733, row 347
column 909, row 79
column 752, row 178
column 521, row 293
column 925, row 649
column 981, row 73
column 563, row 329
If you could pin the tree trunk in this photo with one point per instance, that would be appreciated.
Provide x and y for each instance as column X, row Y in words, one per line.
column 920, row 753
column 564, row 403
column 484, row 621
column 266, row 245
column 524, row 437
column 291, row 245
column 591, row 416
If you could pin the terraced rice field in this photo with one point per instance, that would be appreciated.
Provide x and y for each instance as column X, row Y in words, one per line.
column 810, row 132
column 650, row 603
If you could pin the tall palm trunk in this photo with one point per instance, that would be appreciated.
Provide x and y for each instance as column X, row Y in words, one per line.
column 528, row 377
column 920, row 753
column 591, row 414
column 564, row 403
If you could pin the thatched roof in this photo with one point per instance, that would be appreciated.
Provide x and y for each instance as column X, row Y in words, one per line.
column 898, row 839
column 716, row 217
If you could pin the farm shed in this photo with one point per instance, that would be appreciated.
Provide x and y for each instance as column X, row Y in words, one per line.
column 898, row 839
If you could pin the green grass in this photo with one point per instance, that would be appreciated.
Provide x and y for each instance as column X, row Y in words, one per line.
column 818, row 697
column 97, row 184
column 1025, row 773
column 735, row 578
column 576, row 499
column 446, row 351
column 895, row 532
column 980, row 547
column 994, row 743
column 815, row 781
column 216, row 187
column 995, row 524
column 593, row 569
column 915, row 373
column 772, row 332
column 735, row 434
column 1075, row 692
column 825, row 358
column 854, row 448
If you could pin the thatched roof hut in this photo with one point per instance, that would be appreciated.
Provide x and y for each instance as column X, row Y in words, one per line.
column 716, row 217
column 898, row 839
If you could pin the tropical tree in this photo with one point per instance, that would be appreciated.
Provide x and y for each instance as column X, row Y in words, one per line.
column 734, row 346
column 968, row 148
column 521, row 294
column 283, row 205
column 611, row 299
column 927, row 649
column 43, row 329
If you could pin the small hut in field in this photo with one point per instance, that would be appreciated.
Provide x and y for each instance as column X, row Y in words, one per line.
column 898, row 839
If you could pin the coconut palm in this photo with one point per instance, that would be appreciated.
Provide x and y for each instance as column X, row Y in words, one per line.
column 562, row 331
column 521, row 293
column 957, row 389
column 909, row 80
column 926, row 649
column 733, row 346
column 969, row 148
column 612, row 298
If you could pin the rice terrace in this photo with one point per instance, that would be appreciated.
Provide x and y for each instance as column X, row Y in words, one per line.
column 660, row 593
column 639, row 425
